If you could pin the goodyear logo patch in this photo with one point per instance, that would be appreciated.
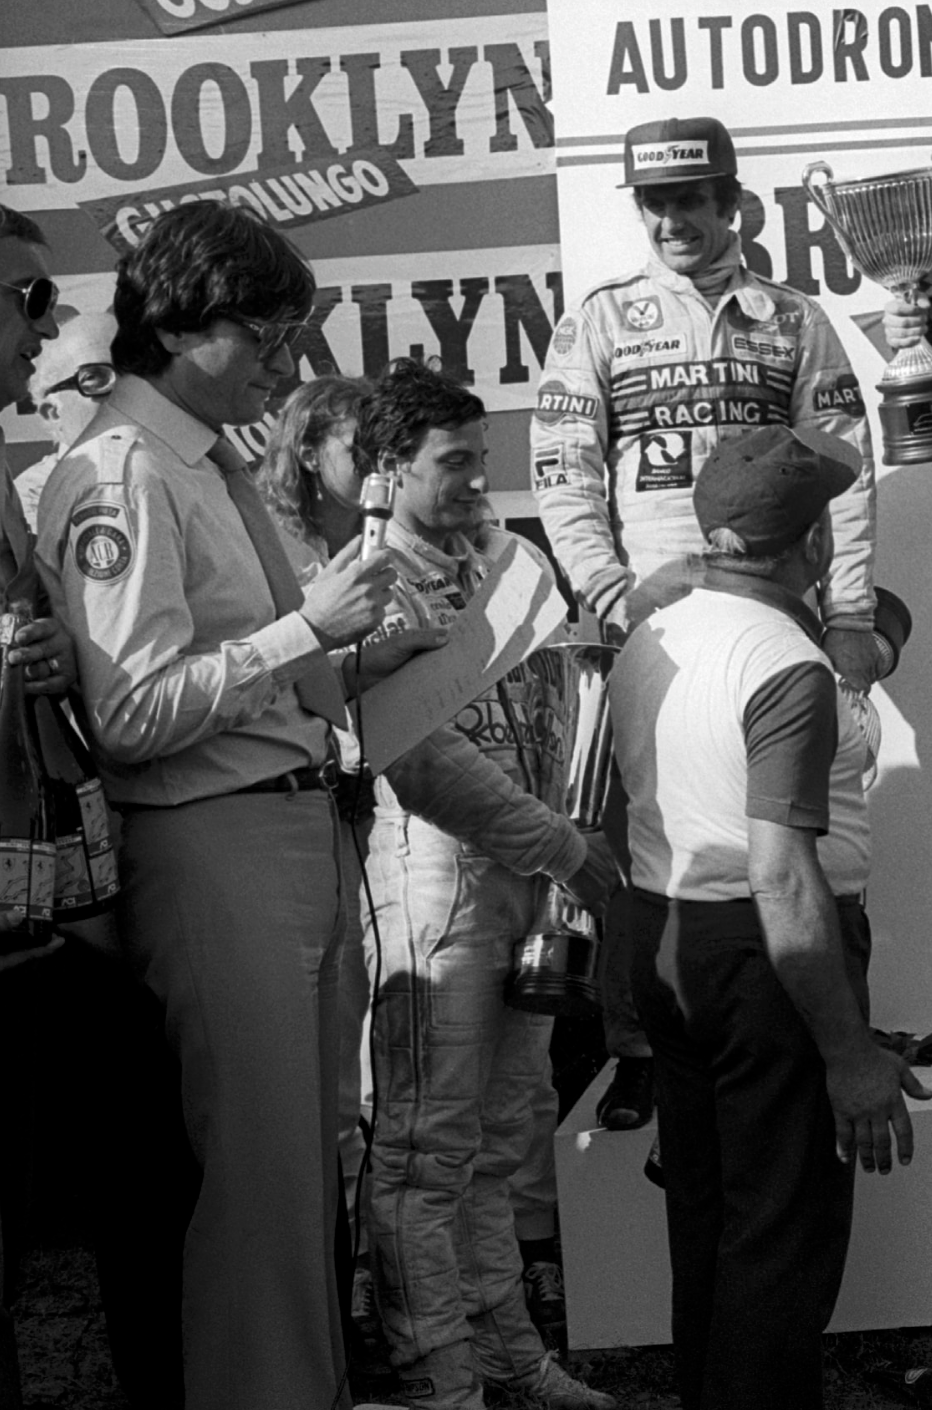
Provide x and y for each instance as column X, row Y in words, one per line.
column 555, row 402
column 642, row 314
column 649, row 347
column 844, row 394
column 102, row 542
column 655, row 156
column 564, row 338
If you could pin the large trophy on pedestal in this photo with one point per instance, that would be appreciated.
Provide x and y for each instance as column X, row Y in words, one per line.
column 884, row 225
column 556, row 968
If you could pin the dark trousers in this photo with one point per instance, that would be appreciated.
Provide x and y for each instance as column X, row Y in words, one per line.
column 758, row 1205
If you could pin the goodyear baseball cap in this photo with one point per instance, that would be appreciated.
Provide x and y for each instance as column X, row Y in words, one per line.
column 678, row 149
column 771, row 484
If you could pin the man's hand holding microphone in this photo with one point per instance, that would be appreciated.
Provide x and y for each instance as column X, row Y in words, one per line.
column 348, row 599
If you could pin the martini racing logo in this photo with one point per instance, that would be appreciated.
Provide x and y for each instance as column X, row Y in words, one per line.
column 643, row 313
column 102, row 542
column 653, row 156
column 665, row 462
column 555, row 402
column 844, row 394
column 564, row 337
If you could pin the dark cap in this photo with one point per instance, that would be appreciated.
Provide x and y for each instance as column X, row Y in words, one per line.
column 687, row 149
column 771, row 484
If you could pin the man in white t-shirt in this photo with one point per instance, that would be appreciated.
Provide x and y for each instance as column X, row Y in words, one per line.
column 750, row 850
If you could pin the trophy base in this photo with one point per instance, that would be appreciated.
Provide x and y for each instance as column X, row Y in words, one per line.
column 556, row 974
column 906, row 421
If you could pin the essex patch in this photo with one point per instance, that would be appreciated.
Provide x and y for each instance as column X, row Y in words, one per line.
column 102, row 542
column 777, row 350
column 643, row 313
column 555, row 402
column 665, row 462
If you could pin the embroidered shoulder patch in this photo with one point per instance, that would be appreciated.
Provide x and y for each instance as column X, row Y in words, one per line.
column 102, row 541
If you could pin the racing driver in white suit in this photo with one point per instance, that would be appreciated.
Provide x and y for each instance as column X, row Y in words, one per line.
column 642, row 380
column 461, row 843
column 653, row 369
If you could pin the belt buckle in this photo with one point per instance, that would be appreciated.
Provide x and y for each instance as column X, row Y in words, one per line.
column 329, row 773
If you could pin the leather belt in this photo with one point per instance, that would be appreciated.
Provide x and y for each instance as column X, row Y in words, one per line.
column 297, row 780
column 311, row 776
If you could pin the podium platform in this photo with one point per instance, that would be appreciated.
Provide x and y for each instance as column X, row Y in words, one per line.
column 614, row 1238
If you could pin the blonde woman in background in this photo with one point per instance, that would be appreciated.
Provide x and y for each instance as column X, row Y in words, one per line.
column 309, row 481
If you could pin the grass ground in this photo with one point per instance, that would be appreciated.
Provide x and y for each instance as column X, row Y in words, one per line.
column 66, row 1361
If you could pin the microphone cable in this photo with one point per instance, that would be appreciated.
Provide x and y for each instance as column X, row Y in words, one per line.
column 375, row 983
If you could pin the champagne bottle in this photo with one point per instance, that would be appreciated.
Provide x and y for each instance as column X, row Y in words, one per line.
column 27, row 823
column 85, row 866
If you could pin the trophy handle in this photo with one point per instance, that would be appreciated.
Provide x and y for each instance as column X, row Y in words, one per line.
column 813, row 191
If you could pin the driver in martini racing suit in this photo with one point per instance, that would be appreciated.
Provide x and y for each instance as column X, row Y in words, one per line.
column 653, row 369
column 461, row 846
column 642, row 381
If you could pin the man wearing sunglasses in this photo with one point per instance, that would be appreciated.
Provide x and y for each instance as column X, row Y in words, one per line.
column 208, row 689
column 73, row 376
column 27, row 298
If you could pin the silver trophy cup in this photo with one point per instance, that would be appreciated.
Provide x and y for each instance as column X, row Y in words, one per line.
column 556, row 968
column 884, row 226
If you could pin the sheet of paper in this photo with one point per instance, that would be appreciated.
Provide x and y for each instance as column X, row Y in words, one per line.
column 516, row 610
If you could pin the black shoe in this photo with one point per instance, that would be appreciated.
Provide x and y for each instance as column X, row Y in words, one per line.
column 628, row 1101
column 545, row 1296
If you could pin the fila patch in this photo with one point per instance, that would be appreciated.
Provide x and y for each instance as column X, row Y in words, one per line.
column 550, row 470
column 102, row 541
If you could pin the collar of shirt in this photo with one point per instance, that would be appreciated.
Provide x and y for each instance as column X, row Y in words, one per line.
column 751, row 297
column 463, row 555
column 136, row 398
column 763, row 590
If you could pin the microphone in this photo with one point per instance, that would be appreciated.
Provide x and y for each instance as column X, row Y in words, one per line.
column 378, row 496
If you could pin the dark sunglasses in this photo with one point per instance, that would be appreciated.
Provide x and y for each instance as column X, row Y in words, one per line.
column 271, row 335
column 92, row 379
column 39, row 297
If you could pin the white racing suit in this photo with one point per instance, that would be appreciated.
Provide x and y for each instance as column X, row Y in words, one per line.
column 641, row 382
column 458, row 849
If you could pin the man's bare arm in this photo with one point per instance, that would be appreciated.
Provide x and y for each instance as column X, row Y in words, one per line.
column 799, row 920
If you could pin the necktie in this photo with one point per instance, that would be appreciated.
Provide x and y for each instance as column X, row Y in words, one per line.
column 320, row 691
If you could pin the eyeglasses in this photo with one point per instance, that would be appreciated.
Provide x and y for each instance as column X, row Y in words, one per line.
column 39, row 297
column 271, row 335
column 92, row 379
